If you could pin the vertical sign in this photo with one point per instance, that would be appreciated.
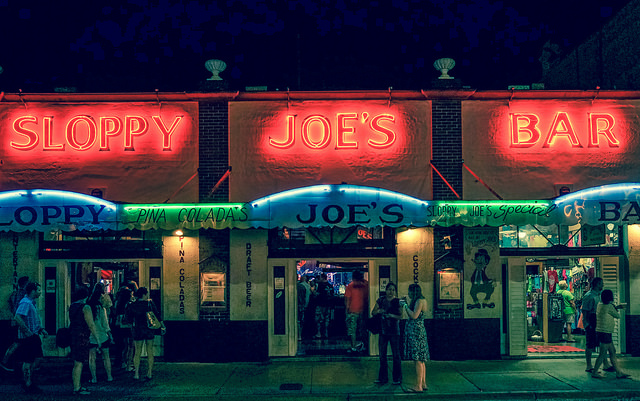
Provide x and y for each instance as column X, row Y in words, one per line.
column 181, row 278
column 415, row 262
column 279, row 304
column 248, row 275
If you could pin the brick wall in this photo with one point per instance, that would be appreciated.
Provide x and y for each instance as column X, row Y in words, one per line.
column 214, row 161
column 447, row 157
column 446, row 132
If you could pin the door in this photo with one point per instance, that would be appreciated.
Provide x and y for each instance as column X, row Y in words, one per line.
column 517, row 307
column 611, row 280
column 281, row 301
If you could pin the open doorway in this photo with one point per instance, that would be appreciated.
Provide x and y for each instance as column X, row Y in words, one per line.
column 324, row 322
column 550, row 332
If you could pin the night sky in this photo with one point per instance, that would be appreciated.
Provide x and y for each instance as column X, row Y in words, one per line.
column 142, row 45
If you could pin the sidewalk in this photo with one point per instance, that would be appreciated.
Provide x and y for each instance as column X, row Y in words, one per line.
column 344, row 379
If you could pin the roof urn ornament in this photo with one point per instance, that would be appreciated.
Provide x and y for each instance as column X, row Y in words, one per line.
column 215, row 67
column 444, row 65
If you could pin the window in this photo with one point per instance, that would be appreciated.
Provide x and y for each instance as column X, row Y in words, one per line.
column 577, row 236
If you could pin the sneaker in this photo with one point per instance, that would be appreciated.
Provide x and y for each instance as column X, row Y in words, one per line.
column 623, row 376
column 610, row 369
column 360, row 346
column 5, row 367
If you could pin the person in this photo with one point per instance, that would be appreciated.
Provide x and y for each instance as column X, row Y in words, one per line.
column 388, row 305
column 590, row 303
column 100, row 303
column 569, row 308
column 606, row 313
column 324, row 296
column 143, row 336
column 82, row 326
column 304, row 292
column 14, row 299
column 122, row 329
column 356, row 296
column 416, row 347
column 480, row 282
column 29, row 331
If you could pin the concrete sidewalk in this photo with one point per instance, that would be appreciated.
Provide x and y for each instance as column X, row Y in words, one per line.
column 345, row 379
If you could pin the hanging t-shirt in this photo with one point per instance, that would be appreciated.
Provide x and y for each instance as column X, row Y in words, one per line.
column 553, row 280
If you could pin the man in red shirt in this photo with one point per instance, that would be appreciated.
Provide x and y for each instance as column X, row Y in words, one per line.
column 356, row 297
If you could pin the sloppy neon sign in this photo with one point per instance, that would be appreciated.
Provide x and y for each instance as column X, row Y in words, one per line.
column 525, row 131
column 317, row 132
column 83, row 132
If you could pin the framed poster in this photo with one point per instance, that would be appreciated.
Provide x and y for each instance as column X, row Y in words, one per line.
column 449, row 283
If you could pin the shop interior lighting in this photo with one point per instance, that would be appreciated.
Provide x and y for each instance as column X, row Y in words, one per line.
column 178, row 233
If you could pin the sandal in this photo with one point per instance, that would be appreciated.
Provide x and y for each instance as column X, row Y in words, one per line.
column 81, row 391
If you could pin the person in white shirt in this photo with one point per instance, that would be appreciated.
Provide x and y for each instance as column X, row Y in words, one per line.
column 605, row 325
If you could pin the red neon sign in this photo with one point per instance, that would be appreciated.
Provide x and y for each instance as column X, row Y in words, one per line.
column 347, row 132
column 82, row 132
column 526, row 133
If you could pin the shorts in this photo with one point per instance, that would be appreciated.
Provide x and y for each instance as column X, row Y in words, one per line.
column 29, row 349
column 354, row 320
column 605, row 338
column 105, row 344
column 570, row 318
column 592, row 337
column 141, row 334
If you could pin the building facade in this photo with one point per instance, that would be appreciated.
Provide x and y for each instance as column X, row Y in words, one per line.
column 485, row 199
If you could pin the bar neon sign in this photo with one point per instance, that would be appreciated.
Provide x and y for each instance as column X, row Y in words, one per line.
column 84, row 132
column 316, row 131
column 525, row 131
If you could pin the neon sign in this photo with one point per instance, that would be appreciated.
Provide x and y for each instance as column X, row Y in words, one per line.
column 84, row 132
column 525, row 131
column 317, row 131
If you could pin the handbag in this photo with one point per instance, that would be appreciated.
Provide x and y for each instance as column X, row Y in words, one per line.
column 374, row 324
column 152, row 320
column 63, row 337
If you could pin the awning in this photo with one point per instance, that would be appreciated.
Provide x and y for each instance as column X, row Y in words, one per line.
column 48, row 210
column 315, row 206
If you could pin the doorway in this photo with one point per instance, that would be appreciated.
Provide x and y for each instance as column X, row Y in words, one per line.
column 548, row 331
column 288, row 338
column 323, row 324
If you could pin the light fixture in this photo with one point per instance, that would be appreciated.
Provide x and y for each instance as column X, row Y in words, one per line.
column 178, row 233
column 215, row 67
column 444, row 65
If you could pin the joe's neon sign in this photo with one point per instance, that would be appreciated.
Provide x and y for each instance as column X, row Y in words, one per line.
column 84, row 132
column 317, row 132
column 525, row 131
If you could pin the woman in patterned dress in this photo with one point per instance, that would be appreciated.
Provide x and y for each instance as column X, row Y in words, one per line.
column 416, row 347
